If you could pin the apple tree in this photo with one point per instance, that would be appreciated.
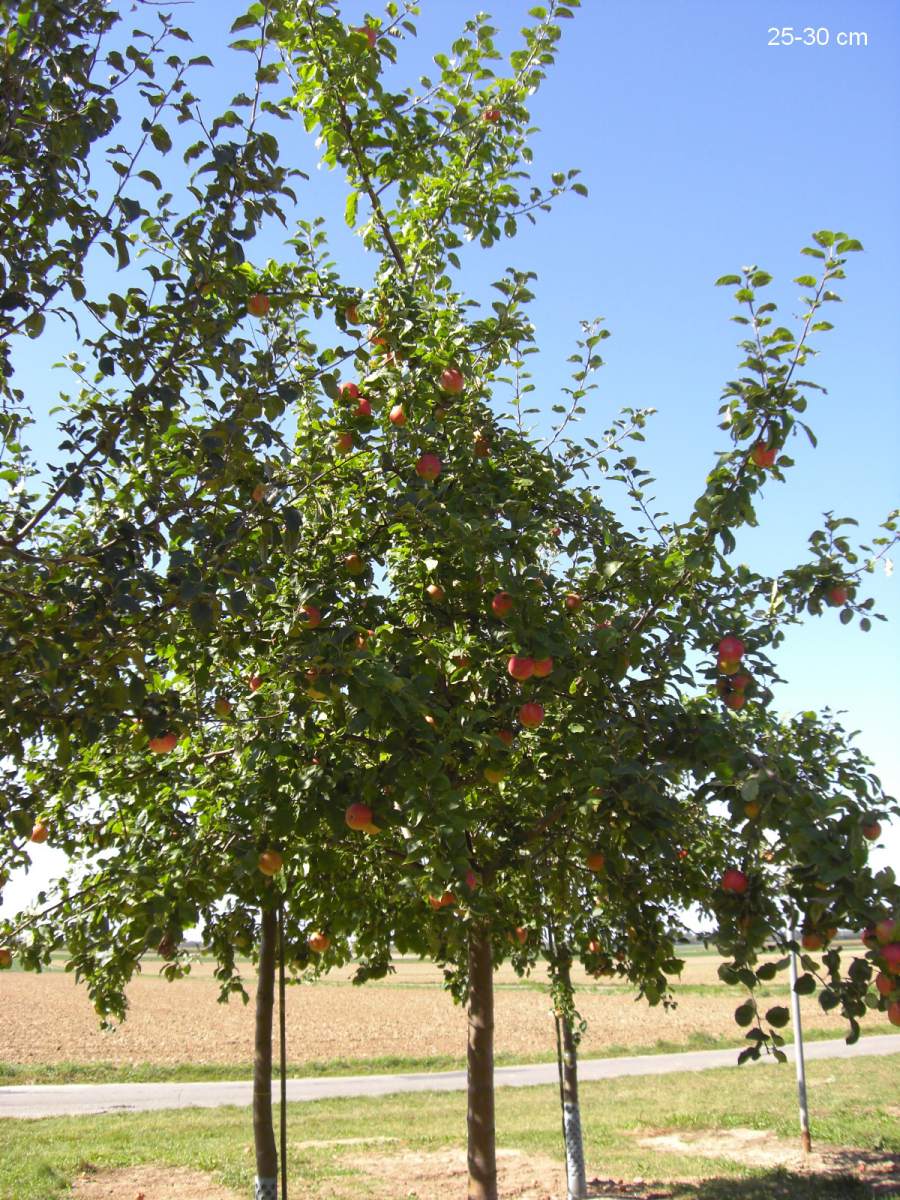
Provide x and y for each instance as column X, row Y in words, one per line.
column 333, row 634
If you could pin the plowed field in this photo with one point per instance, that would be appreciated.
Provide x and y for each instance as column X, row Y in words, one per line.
column 48, row 1019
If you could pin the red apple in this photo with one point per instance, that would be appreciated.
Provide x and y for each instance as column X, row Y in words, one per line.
column 40, row 832
column 502, row 604
column 868, row 938
column 363, row 409
column 595, row 861
column 491, row 115
column 270, row 862
column 428, row 467
column 222, row 706
column 318, row 942
column 735, row 700
column 682, row 853
column 312, row 615
column 343, row 443
column 164, row 744
column 885, row 984
column 442, row 901
column 890, row 955
column 531, row 715
column 519, row 934
column 520, row 668
column 763, row 455
column 735, row 881
column 494, row 774
column 353, row 564
column 871, row 830
column 5, row 958
column 812, row 940
column 358, row 816
column 256, row 682
column 573, row 602
column 351, row 312
column 506, row 736
column 838, row 596
column 472, row 880
column 893, row 1012
column 481, row 445
column 452, row 381
column 461, row 661
column 349, row 391
column 436, row 593
column 543, row 667
column 368, row 33
column 884, row 931
column 258, row 305
column 397, row 415
column 258, row 494
column 729, row 666
column 731, row 649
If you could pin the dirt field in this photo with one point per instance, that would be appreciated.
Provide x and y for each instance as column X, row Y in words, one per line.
column 48, row 1019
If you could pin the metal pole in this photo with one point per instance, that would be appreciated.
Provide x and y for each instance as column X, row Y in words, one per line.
column 282, row 1038
column 798, row 1053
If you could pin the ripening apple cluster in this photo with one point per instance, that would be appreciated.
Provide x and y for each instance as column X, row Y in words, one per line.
column 882, row 940
column 732, row 682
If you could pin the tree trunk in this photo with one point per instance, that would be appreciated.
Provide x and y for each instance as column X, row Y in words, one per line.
column 263, row 1126
column 575, row 1172
column 482, row 1137
column 576, row 1179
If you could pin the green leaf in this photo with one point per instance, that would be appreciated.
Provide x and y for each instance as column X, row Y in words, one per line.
column 745, row 1014
column 805, row 985
column 778, row 1016
column 160, row 138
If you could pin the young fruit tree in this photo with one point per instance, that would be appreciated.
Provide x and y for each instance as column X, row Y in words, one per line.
column 325, row 648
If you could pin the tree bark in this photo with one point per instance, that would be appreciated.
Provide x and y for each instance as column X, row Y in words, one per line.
column 263, row 1126
column 481, row 1129
column 573, row 1141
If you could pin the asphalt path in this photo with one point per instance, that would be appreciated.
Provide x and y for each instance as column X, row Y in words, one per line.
column 75, row 1099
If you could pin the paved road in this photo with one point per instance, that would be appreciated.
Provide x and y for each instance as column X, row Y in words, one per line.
column 78, row 1098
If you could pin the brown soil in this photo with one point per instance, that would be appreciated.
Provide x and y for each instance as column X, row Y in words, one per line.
column 759, row 1148
column 437, row 1175
column 48, row 1019
column 148, row 1183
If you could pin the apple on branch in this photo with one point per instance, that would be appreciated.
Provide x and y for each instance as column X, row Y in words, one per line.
column 735, row 882
column 163, row 744
column 502, row 604
column 359, row 816
column 270, row 862
column 452, row 381
column 531, row 715
column 428, row 467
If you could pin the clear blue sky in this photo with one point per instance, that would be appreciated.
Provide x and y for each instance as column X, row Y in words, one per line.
column 704, row 149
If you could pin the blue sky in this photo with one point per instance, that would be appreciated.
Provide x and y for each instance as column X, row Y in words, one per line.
column 704, row 149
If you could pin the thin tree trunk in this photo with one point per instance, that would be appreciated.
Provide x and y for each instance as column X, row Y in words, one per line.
column 263, row 1126
column 575, row 1172
column 573, row 1141
column 482, row 1136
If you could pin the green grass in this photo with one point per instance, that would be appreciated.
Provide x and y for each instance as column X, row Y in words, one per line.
column 850, row 1106
column 20, row 1074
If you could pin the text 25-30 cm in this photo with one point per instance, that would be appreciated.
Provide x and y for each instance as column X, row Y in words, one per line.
column 809, row 35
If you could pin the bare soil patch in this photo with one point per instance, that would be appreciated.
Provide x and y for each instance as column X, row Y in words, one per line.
column 437, row 1175
column 760, row 1148
column 148, row 1183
